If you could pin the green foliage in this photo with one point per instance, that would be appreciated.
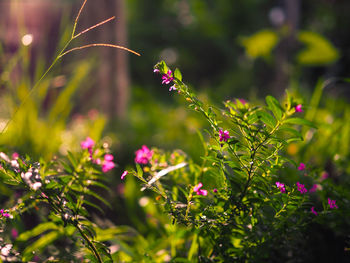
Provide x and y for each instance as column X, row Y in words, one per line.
column 260, row 44
column 318, row 50
column 241, row 215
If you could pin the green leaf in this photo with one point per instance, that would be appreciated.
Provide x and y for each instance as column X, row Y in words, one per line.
column 292, row 131
column 260, row 44
column 41, row 243
column 177, row 74
column 37, row 231
column 300, row 121
column 318, row 50
column 266, row 118
column 274, row 106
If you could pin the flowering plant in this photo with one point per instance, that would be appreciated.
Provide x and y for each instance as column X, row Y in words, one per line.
column 237, row 202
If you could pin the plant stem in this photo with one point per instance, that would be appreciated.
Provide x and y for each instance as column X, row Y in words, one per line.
column 91, row 245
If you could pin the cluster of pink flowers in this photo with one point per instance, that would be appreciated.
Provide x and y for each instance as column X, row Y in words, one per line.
column 224, row 135
column 107, row 163
column 301, row 167
column 281, row 187
column 332, row 204
column 88, row 144
column 143, row 155
column 200, row 191
column 4, row 214
column 167, row 78
column 301, row 188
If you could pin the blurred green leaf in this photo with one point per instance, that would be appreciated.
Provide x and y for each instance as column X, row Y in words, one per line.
column 260, row 44
column 318, row 50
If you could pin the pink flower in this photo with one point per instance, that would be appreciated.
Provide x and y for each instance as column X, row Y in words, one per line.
column 332, row 203
column 143, row 155
column 156, row 70
column 224, row 135
column 172, row 88
column 324, row 175
column 313, row 188
column 107, row 164
column 197, row 187
column 87, row 144
column 167, row 78
column 15, row 156
column 215, row 190
column 301, row 188
column 124, row 174
column 4, row 214
column 14, row 233
column 298, row 108
column 313, row 211
column 301, row 167
column 281, row 187
column 200, row 191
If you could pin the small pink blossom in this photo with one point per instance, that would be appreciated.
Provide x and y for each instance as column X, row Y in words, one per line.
column 197, row 187
column 107, row 163
column 4, row 214
column 224, row 135
column 301, row 188
column 324, row 175
column 313, row 188
column 301, row 167
column 281, row 187
column 167, row 78
column 215, row 190
column 172, row 88
column 87, row 144
column 14, row 233
column 15, row 156
column 143, row 155
column 156, row 70
column 124, row 174
column 243, row 101
column 200, row 191
column 313, row 211
column 298, row 108
column 332, row 204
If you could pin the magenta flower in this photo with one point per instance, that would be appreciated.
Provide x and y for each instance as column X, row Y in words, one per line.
column 313, row 211
column 87, row 144
column 215, row 190
column 15, row 156
column 313, row 188
column 4, row 214
column 14, row 233
column 167, row 78
column 324, row 175
column 301, row 167
column 156, row 70
column 107, row 163
column 124, row 174
column 332, row 204
column 200, row 191
column 298, row 108
column 281, row 187
column 301, row 188
column 224, row 135
column 143, row 155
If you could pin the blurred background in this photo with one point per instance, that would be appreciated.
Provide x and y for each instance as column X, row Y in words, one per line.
column 225, row 49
